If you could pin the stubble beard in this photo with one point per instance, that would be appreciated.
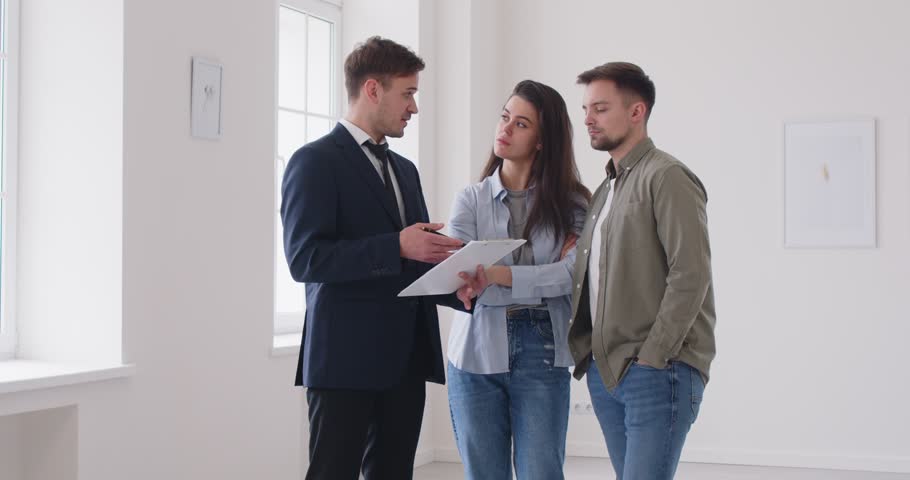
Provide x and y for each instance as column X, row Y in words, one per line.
column 606, row 144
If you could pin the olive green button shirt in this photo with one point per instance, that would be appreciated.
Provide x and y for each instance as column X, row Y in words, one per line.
column 655, row 289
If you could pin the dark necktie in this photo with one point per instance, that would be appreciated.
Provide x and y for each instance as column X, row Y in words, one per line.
column 381, row 152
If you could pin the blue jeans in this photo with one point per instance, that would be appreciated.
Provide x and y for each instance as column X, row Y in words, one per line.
column 529, row 404
column 646, row 418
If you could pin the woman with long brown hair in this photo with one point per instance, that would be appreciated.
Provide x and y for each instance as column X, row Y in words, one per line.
column 508, row 359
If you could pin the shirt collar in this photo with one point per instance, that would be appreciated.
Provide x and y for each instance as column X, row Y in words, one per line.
column 359, row 135
column 631, row 159
column 496, row 185
column 499, row 191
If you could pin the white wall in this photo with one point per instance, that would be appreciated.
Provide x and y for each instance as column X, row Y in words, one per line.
column 40, row 445
column 810, row 341
column 11, row 455
column 49, row 444
column 207, row 399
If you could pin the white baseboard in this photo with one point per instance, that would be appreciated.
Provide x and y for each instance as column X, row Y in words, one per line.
column 447, row 455
column 586, row 449
column 793, row 459
column 738, row 457
column 424, row 456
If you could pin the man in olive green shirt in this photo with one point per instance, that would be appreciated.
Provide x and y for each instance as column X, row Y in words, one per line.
column 642, row 323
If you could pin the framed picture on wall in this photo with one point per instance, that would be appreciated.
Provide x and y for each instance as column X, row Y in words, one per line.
column 205, row 99
column 829, row 184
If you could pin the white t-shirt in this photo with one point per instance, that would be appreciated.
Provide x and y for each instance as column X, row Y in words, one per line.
column 594, row 258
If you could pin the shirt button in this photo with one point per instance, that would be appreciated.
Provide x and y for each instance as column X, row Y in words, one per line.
column 578, row 286
column 594, row 217
column 586, row 251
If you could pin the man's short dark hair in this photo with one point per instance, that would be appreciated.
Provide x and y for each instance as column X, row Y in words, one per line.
column 378, row 58
column 629, row 78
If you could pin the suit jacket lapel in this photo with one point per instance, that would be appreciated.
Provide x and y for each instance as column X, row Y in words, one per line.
column 353, row 153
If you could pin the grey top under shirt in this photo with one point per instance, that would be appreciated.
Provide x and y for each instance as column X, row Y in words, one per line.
column 517, row 202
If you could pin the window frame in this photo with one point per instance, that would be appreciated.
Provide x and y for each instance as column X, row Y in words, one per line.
column 9, row 143
column 285, row 323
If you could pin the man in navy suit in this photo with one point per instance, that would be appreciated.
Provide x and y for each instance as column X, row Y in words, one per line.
column 354, row 231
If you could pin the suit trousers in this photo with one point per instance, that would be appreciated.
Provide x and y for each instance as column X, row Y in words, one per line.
column 375, row 432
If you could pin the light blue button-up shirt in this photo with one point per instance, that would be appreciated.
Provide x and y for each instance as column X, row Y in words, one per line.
column 478, row 342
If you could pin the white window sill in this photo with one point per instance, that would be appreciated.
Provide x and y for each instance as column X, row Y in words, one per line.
column 286, row 344
column 23, row 375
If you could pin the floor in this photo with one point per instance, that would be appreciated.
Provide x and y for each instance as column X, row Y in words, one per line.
column 580, row 468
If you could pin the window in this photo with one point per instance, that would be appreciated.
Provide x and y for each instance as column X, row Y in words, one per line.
column 309, row 36
column 9, row 17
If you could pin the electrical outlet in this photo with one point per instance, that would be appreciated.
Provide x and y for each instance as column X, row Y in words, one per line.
column 582, row 408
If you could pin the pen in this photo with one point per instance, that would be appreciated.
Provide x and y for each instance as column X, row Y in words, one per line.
column 428, row 230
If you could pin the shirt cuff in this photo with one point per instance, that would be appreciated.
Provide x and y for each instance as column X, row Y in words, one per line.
column 652, row 354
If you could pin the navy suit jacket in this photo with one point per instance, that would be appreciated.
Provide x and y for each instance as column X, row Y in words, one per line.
column 341, row 239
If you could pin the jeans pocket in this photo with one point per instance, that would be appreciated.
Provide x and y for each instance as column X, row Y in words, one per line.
column 544, row 328
column 698, row 391
column 635, row 363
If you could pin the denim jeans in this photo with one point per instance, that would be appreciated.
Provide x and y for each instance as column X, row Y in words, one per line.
column 646, row 418
column 528, row 405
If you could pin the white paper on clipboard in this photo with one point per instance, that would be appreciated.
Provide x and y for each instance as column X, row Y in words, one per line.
column 443, row 278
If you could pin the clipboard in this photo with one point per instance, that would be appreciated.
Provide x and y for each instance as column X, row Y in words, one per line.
column 443, row 278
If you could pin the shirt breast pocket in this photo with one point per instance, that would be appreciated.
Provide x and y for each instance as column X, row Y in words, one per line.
column 634, row 227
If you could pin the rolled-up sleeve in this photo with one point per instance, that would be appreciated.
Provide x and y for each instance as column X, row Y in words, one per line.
column 550, row 280
column 463, row 218
column 545, row 281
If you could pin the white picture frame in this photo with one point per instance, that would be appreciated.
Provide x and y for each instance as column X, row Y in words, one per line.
column 206, row 99
column 829, row 184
